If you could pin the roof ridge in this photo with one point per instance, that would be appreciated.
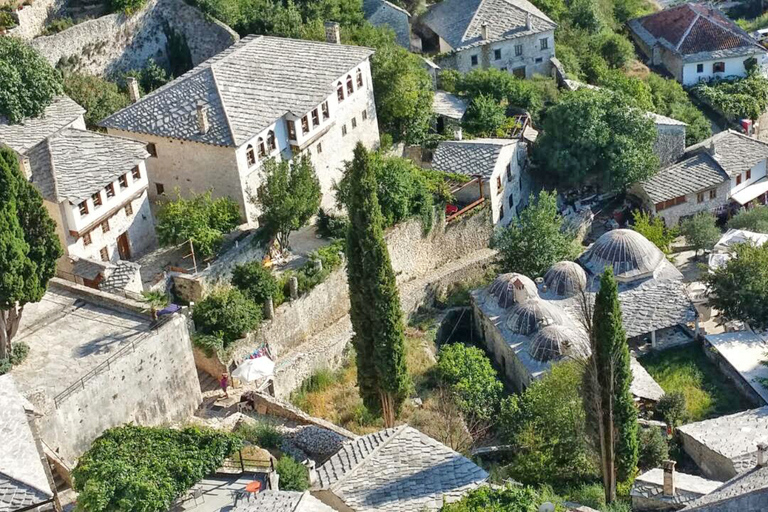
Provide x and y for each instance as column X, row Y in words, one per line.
column 224, row 108
column 532, row 13
column 472, row 21
column 690, row 27
column 54, row 178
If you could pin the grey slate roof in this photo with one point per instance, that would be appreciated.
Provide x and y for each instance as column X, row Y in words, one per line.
column 398, row 469
column 696, row 173
column 22, row 137
column 643, row 386
column 747, row 492
column 659, row 119
column 448, row 105
column 734, row 151
column 122, row 275
column 459, row 22
column 246, row 88
column 23, row 481
column 383, row 13
column 283, row 501
column 472, row 157
column 73, row 164
column 688, row 488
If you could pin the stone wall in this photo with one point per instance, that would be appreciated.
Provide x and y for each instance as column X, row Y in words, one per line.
column 269, row 406
column 712, row 464
column 116, row 43
column 737, row 379
column 33, row 18
column 670, row 143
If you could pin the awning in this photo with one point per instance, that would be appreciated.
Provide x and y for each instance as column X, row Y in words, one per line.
column 747, row 194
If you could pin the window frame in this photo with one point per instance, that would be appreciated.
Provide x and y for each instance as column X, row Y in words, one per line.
column 136, row 173
column 104, row 253
column 315, row 118
column 304, row 125
column 499, row 188
column 292, row 130
column 105, row 227
column 87, row 239
column 250, row 155
column 497, row 54
column 110, row 189
column 160, row 188
column 83, row 208
column 262, row 147
column 271, row 141
column 319, row 148
column 544, row 43
column 350, row 86
column 152, row 149
column 699, row 197
column 96, row 198
column 518, row 50
column 718, row 64
column 325, row 111
column 364, row 115
column 738, row 179
column 749, row 175
column 123, row 181
column 700, row 67
column 354, row 122
column 128, row 209
column 713, row 194
column 340, row 92
column 473, row 60
column 359, row 78
column 344, row 130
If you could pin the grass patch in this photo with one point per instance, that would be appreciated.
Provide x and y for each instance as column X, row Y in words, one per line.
column 686, row 369
column 263, row 435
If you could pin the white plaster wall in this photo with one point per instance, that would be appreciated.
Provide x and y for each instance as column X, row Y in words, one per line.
column 531, row 51
column 758, row 172
column 734, row 66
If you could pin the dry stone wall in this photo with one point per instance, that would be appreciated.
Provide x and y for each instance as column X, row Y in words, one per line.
column 33, row 17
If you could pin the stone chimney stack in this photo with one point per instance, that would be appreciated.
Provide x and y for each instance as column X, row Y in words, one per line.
column 484, row 31
column 203, row 123
column 26, row 168
column 332, row 32
column 762, row 455
column 669, row 478
column 133, row 89
column 529, row 21
column 712, row 149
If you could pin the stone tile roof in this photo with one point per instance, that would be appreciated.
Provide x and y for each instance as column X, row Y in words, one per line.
column 735, row 436
column 630, row 254
column 23, row 137
column 744, row 351
column 659, row 119
column 283, row 501
column 687, row 487
column 472, row 157
column 23, row 481
column 694, row 29
column 448, row 105
column 459, row 22
column 734, row 151
column 747, row 492
column 121, row 276
column 73, row 164
column 643, row 386
column 696, row 173
column 246, row 88
column 398, row 469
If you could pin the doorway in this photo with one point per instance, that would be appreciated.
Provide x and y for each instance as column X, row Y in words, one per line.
column 123, row 247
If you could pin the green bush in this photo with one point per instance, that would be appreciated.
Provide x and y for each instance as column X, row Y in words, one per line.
column 736, row 97
column 506, row 499
column 150, row 77
column 654, row 448
column 57, row 25
column 293, row 475
column 127, row 7
column 226, row 313
column 755, row 219
column 100, row 98
column 257, row 283
column 261, row 434
column 308, row 275
column 19, row 352
column 210, row 344
column 673, row 408
column 654, row 230
column 6, row 19
column 147, row 468
column 471, row 379
column 330, row 225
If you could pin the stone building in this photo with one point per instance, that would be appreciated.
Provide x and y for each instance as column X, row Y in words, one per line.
column 264, row 97
column 747, row 492
column 94, row 187
column 695, row 42
column 511, row 35
column 666, row 489
column 669, row 145
column 381, row 13
column 448, row 110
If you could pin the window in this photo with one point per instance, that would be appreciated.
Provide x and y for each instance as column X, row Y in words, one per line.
column 354, row 123
column 340, row 92
column 129, row 209
column 96, row 199
column 539, row 60
column 713, row 193
column 123, row 181
column 152, row 149
column 83, row 207
column 315, row 118
column 105, row 226
column 498, row 185
column 511, row 201
column 543, row 43
column 738, row 179
column 319, row 148
column 509, row 171
column 262, row 148
column 324, row 108
column 250, row 155
column 749, row 174
column 700, row 197
column 110, row 190
column 359, row 78
column 86, row 239
column 699, row 68
column 136, row 173
column 104, row 254
column 271, row 143
column 160, row 189
column 518, row 50
column 473, row 60
column 292, row 130
column 343, row 130
column 364, row 115
column 519, row 72
column 350, row 85
column 304, row 125
column 497, row 54
column 718, row 67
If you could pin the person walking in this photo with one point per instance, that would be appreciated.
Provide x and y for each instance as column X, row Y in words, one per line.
column 224, row 382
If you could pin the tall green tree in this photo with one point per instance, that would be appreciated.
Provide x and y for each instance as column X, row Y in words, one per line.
column 607, row 378
column 379, row 338
column 29, row 247
column 700, row 231
column 28, row 84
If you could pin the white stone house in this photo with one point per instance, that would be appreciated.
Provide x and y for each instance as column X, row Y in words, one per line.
column 511, row 35
column 695, row 42
column 94, row 186
column 264, row 97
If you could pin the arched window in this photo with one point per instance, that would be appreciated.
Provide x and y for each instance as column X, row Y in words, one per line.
column 359, row 78
column 250, row 155
column 350, row 85
column 262, row 150
column 271, row 141
column 340, row 92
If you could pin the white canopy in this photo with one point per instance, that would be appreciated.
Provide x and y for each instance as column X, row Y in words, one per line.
column 254, row 369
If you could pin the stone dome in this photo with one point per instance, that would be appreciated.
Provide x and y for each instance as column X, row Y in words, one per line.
column 565, row 278
column 527, row 317
column 631, row 255
column 512, row 288
column 554, row 342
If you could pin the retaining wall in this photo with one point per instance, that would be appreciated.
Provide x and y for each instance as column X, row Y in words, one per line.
column 33, row 18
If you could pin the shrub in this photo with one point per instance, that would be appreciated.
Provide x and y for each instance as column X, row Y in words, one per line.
column 700, row 231
column 654, row 230
column 755, row 219
column 5, row 366
column 226, row 313
column 210, row 344
column 617, row 50
column 293, row 475
column 308, row 274
column 330, row 225
column 57, row 25
column 150, row 77
column 261, row 434
column 471, row 378
column 673, row 408
column 100, row 98
column 257, row 283
column 19, row 352
column 736, row 97
column 127, row 7
column 506, row 499
column 654, row 448
column 6, row 19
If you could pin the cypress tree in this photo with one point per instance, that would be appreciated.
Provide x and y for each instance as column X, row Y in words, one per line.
column 379, row 338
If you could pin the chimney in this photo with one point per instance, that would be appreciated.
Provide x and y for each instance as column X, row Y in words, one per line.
column 332, row 32
column 203, row 123
column 312, row 470
column 762, row 455
column 484, row 31
column 133, row 89
column 529, row 21
column 26, row 168
column 669, row 478
column 712, row 149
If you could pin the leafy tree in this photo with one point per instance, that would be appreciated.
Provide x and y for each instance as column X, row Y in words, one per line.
column 486, row 117
column 150, row 77
column 145, row 469
column 226, row 313
column 597, row 135
column 584, row 15
column 617, row 50
column 739, row 288
column 736, row 97
column 673, row 408
column 533, row 243
column 127, row 7
column 654, row 448
column 201, row 219
column 607, row 398
column 754, row 219
column 468, row 373
column 29, row 247
column 289, row 197
column 654, row 230
column 155, row 300
column 700, row 231
column 505, row 499
column 546, row 425
column 28, row 84
column 374, row 301
column 293, row 474
column 669, row 99
column 100, row 98
column 257, row 282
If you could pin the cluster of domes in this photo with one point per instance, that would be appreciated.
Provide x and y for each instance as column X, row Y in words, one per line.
column 631, row 255
column 565, row 278
column 513, row 288
column 525, row 318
